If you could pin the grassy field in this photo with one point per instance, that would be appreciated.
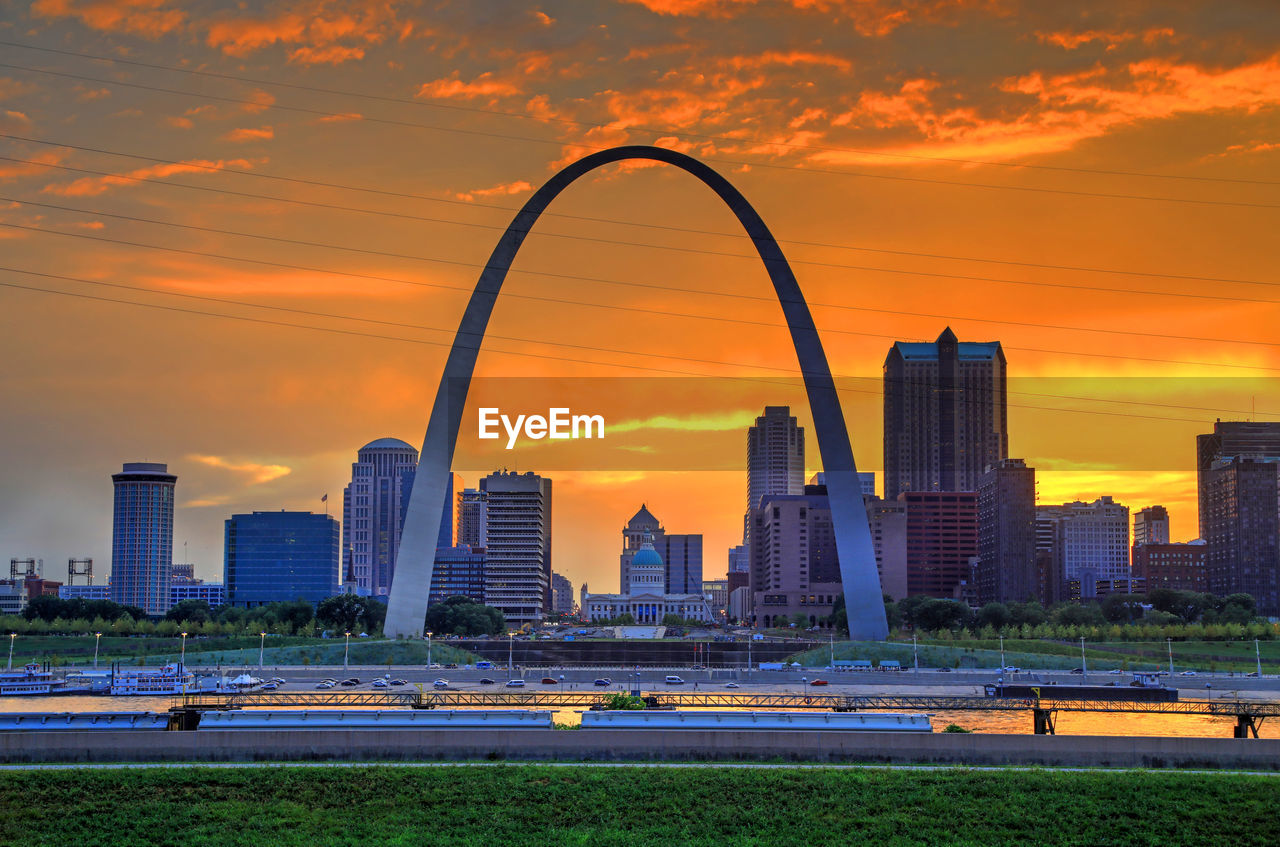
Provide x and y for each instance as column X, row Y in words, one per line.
column 77, row 650
column 1036, row 653
column 404, row 805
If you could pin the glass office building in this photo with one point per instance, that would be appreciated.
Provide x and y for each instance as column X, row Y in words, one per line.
column 142, row 536
column 272, row 556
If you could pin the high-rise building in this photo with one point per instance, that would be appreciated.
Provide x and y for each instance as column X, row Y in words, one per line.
column 281, row 556
column 1151, row 526
column 1242, row 528
column 1089, row 543
column 213, row 593
column 1006, row 568
column 1180, row 567
column 561, row 594
column 716, row 592
column 775, row 457
column 866, row 481
column 458, row 572
column 888, row 522
column 945, row 414
column 142, row 536
column 373, row 507
column 739, row 559
column 681, row 554
column 942, row 541
column 1257, row 440
column 471, row 517
column 518, row 553
column 794, row 566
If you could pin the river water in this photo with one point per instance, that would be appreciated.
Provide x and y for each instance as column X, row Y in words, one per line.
column 1015, row 723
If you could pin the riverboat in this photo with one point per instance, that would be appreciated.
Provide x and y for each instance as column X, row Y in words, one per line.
column 30, row 680
column 170, row 679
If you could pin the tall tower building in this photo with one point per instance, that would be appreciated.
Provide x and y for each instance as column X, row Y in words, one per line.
column 942, row 541
column 518, row 552
column 1242, row 527
column 1151, row 526
column 945, row 414
column 775, row 458
column 642, row 527
column 373, row 507
column 280, row 556
column 142, row 536
column 1257, row 440
column 1006, row 570
column 794, row 566
column 1089, row 544
column 471, row 529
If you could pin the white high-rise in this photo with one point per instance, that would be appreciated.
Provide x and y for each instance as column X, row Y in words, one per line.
column 373, row 512
column 518, row 545
column 775, row 456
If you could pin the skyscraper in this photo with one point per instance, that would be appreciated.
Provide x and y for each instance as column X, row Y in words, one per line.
column 1089, row 543
column 794, row 566
column 1257, row 440
column 1242, row 528
column 280, row 556
column 471, row 517
column 1151, row 526
column 942, row 540
column 518, row 552
column 1006, row 569
column 561, row 594
column 945, row 415
column 373, row 512
column 775, row 455
column 142, row 536
column 888, row 522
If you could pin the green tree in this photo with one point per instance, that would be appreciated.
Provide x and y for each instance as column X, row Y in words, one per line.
column 190, row 611
column 463, row 616
column 342, row 613
column 995, row 615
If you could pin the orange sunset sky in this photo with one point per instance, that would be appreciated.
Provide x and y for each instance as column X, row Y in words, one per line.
column 1096, row 185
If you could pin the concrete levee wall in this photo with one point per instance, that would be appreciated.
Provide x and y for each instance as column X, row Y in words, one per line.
column 638, row 745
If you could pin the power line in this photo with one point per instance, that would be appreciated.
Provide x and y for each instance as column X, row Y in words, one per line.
column 455, row 107
column 540, row 342
column 638, row 309
column 512, row 210
column 731, row 162
column 357, row 333
column 677, row 289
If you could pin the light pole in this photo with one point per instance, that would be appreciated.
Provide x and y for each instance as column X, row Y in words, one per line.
column 428, row 651
column 346, row 652
column 1257, row 655
column 12, row 636
column 915, row 651
column 1169, row 641
column 262, row 643
column 182, row 662
column 833, row 651
column 97, row 637
column 1002, row 654
column 1084, row 665
column 804, row 684
column 562, row 685
column 511, row 649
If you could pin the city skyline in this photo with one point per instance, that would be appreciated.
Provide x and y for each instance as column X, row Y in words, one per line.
column 253, row 417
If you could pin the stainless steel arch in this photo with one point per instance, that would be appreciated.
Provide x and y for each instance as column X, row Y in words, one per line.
column 416, row 559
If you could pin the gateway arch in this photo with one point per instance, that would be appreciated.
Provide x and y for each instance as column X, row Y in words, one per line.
column 415, row 561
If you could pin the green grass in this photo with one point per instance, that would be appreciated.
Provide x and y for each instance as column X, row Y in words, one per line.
column 77, row 650
column 1057, row 655
column 404, row 805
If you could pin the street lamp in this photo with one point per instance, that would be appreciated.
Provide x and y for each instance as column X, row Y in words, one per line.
column 511, row 649
column 915, row 651
column 1169, row 641
column 562, row 685
column 1257, row 655
column 1002, row 654
column 12, row 636
column 97, row 637
column 262, row 643
column 182, row 662
column 346, row 652
column 1084, row 665
column 428, row 651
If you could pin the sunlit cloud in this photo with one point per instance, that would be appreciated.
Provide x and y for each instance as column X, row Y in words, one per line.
column 241, row 134
column 501, row 190
column 714, row 422
column 95, row 185
column 149, row 18
column 485, row 85
column 255, row 472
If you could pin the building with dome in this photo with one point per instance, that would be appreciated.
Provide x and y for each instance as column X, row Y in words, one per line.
column 681, row 554
column 644, row 595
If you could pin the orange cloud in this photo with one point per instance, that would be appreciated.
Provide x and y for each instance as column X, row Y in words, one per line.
column 1072, row 40
column 869, row 17
column 242, row 134
column 485, row 85
column 332, row 54
column 10, row 170
column 149, row 18
column 13, row 120
column 338, row 119
column 256, row 472
column 95, row 185
column 325, row 31
column 505, row 189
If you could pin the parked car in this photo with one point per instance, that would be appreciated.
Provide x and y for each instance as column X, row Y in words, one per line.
column 1252, row 674
column 379, row 683
column 515, row 683
column 731, row 685
column 452, row 666
column 944, row 670
column 325, row 685
column 547, row 680
column 1115, row 671
column 278, row 680
column 399, row 682
column 441, row 683
column 603, row 681
column 672, row 679
column 1187, row 673
column 1012, row 669
column 351, row 681
column 269, row 686
column 487, row 681
column 1077, row 670
column 819, row 682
